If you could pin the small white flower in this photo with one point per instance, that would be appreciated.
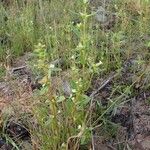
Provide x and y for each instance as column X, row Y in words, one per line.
column 85, row 1
column 72, row 57
column 80, row 46
column 63, row 145
column 74, row 90
column 70, row 96
column 80, row 80
column 73, row 99
column 52, row 116
column 80, row 85
column 79, row 126
column 73, row 68
column 79, row 25
column 77, row 82
column 98, row 64
column 52, row 66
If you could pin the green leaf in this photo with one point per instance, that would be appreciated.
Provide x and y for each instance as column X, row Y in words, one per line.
column 61, row 99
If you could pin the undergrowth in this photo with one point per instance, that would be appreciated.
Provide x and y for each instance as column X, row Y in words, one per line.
column 66, row 30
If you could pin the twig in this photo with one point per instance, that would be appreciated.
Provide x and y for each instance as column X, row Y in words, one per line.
column 100, row 88
column 17, row 68
column 103, row 85
column 93, row 143
column 112, row 148
column 96, row 91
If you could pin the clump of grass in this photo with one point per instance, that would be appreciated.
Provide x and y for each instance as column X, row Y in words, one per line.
column 64, row 118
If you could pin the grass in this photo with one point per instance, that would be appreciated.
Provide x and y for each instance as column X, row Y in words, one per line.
column 67, row 30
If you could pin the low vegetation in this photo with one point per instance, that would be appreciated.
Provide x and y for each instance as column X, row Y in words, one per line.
column 89, row 73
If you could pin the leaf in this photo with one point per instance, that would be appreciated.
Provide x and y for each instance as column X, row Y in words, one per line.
column 44, row 80
column 85, row 1
column 83, row 101
column 148, row 44
column 61, row 99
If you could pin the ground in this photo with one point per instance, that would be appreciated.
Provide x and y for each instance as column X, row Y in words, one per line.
column 118, row 99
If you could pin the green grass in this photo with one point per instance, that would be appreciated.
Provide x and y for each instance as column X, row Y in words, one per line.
column 48, row 29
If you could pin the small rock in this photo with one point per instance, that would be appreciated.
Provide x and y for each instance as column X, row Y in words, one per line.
column 66, row 88
column 106, row 18
column 101, row 15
